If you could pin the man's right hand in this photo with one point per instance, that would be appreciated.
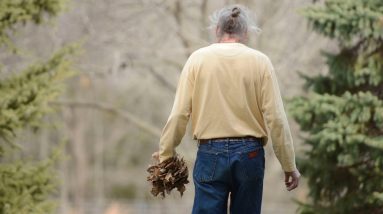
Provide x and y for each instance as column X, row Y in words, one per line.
column 292, row 179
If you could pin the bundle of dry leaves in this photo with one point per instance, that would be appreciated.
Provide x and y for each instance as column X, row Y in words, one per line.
column 167, row 175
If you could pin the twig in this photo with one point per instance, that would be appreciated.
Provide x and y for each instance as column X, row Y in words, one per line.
column 105, row 107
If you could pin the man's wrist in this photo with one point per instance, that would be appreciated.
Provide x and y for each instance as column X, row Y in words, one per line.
column 290, row 168
column 163, row 157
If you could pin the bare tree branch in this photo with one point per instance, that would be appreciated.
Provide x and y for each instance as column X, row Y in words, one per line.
column 177, row 11
column 164, row 81
column 106, row 107
column 203, row 9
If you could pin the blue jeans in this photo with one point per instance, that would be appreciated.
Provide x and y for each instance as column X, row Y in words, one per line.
column 226, row 167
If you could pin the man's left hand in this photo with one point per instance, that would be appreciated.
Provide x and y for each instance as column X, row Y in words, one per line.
column 292, row 180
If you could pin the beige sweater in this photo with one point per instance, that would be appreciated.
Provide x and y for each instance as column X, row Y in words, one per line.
column 228, row 90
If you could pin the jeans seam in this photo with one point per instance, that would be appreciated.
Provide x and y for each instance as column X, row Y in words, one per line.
column 214, row 167
column 209, row 152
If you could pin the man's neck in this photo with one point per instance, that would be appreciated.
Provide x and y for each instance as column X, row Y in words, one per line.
column 228, row 40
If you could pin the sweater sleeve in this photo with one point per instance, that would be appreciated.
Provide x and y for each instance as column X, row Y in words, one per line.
column 276, row 119
column 175, row 127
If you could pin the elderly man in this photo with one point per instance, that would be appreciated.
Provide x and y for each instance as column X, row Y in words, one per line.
column 231, row 93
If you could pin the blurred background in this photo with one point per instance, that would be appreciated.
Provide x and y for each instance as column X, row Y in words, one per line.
column 108, row 120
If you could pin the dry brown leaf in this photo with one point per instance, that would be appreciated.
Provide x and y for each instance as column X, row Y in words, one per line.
column 167, row 175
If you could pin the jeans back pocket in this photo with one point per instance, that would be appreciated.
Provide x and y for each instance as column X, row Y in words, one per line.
column 254, row 163
column 205, row 166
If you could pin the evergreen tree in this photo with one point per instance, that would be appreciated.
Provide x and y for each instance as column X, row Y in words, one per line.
column 343, row 111
column 26, row 186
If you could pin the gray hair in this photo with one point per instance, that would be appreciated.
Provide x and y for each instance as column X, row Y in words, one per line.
column 234, row 20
